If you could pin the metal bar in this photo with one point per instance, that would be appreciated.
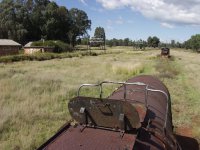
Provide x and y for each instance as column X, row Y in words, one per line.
column 83, row 85
column 124, row 91
column 167, row 107
column 109, row 82
column 133, row 83
column 146, row 94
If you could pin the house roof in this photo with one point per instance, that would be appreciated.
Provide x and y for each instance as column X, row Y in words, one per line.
column 28, row 44
column 7, row 42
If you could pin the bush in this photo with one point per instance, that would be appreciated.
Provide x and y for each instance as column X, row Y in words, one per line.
column 59, row 46
column 44, row 56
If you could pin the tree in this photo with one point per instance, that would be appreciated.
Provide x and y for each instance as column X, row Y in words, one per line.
column 57, row 22
column 38, row 20
column 153, row 41
column 11, row 16
column 100, row 33
column 150, row 41
column 115, row 42
column 140, row 44
column 109, row 43
column 193, row 42
column 31, row 20
column 79, row 24
column 173, row 43
column 126, row 42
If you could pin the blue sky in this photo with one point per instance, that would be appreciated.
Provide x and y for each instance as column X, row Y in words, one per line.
column 135, row 19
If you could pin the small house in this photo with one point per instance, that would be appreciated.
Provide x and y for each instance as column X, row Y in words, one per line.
column 29, row 49
column 9, row 47
column 97, row 42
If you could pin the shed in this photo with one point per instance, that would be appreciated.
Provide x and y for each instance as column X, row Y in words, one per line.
column 9, row 47
column 29, row 49
column 97, row 42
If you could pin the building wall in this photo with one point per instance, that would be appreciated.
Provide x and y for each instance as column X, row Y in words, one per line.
column 9, row 50
column 48, row 49
column 32, row 50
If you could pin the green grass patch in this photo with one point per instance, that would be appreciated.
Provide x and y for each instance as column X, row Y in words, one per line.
column 167, row 68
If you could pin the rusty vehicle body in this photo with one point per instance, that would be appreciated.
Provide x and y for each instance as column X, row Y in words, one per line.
column 136, row 116
column 165, row 52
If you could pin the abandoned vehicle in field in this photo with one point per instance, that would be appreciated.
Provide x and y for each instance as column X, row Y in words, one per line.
column 136, row 116
column 165, row 52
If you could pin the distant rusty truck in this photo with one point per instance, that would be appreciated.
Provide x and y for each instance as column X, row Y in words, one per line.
column 165, row 52
column 136, row 116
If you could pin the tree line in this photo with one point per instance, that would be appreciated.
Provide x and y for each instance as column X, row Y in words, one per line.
column 152, row 41
column 32, row 20
column 193, row 43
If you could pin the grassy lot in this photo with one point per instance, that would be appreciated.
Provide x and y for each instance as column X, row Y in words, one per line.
column 34, row 95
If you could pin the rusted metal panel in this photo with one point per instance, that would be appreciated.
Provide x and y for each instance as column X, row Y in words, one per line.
column 145, row 103
column 165, row 51
column 158, row 119
column 77, row 138
column 104, row 113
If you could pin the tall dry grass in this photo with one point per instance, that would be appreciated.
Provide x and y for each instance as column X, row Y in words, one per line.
column 34, row 95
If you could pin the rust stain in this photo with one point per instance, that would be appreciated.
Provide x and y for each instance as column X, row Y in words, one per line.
column 184, row 131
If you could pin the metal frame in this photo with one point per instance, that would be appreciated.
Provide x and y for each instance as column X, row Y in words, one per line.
column 147, row 89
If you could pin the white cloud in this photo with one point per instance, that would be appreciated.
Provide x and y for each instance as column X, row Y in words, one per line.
column 185, row 12
column 167, row 25
column 83, row 1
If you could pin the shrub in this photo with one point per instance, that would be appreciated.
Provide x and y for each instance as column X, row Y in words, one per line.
column 59, row 46
column 44, row 56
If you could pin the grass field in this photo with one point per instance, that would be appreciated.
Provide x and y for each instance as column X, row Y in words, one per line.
column 34, row 95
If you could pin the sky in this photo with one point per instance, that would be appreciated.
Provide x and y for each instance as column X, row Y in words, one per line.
column 138, row 19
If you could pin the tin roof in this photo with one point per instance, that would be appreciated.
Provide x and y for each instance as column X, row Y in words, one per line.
column 8, row 42
column 77, row 137
column 28, row 44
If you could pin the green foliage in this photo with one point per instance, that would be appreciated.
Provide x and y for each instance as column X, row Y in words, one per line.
column 13, row 20
column 100, row 33
column 141, row 44
column 109, row 43
column 119, row 42
column 126, row 42
column 57, row 22
column 44, row 56
column 84, row 41
column 59, row 46
column 193, row 43
column 172, row 44
column 32, row 20
column 153, row 41
column 79, row 24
